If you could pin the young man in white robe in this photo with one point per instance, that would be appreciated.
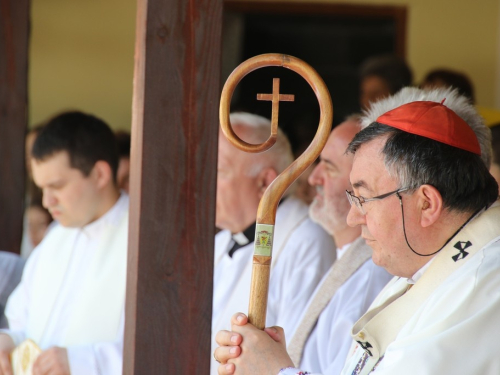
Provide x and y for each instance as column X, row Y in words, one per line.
column 427, row 205
column 71, row 297
column 302, row 251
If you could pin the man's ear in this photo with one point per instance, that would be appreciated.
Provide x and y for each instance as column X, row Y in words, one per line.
column 430, row 204
column 264, row 179
column 102, row 174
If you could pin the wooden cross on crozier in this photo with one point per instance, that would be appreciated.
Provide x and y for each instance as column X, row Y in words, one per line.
column 276, row 98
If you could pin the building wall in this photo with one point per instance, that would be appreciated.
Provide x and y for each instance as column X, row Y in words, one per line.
column 82, row 57
column 82, row 51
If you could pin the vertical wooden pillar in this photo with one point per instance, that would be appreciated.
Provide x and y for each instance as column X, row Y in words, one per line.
column 174, row 152
column 14, row 33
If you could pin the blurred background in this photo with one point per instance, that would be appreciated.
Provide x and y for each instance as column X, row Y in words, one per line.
column 82, row 52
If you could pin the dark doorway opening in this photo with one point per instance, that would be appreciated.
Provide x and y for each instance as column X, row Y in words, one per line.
column 334, row 39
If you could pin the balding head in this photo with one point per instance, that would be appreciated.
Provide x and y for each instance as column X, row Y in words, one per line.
column 257, row 129
column 243, row 177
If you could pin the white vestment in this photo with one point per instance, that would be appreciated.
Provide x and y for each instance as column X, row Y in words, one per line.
column 72, row 293
column 454, row 330
column 302, row 253
column 328, row 344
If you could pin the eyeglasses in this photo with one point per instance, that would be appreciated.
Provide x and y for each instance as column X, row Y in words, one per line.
column 358, row 201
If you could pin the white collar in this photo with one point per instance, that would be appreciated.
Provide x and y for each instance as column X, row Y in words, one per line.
column 419, row 273
column 341, row 251
column 111, row 217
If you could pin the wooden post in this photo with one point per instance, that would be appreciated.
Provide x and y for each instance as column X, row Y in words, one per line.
column 173, row 176
column 14, row 34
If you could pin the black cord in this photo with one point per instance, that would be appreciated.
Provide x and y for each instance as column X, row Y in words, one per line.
column 448, row 240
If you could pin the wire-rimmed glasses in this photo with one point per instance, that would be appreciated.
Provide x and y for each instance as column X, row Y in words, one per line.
column 358, row 201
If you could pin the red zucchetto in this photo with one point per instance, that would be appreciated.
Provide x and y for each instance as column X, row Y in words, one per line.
column 435, row 121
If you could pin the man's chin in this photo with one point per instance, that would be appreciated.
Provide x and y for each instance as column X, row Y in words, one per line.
column 323, row 221
column 315, row 216
column 315, row 210
column 376, row 251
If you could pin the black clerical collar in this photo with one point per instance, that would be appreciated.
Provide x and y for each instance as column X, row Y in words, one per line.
column 241, row 239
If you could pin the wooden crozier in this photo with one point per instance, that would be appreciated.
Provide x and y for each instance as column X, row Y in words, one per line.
column 266, row 214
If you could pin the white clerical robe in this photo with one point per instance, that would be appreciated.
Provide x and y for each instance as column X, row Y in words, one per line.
column 455, row 329
column 72, row 293
column 328, row 344
column 302, row 253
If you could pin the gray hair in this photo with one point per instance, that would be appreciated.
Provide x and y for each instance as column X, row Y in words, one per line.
column 257, row 130
column 453, row 100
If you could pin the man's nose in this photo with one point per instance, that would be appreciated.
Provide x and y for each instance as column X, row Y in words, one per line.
column 355, row 217
column 315, row 176
column 48, row 199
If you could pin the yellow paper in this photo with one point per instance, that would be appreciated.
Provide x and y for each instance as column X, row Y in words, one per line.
column 23, row 357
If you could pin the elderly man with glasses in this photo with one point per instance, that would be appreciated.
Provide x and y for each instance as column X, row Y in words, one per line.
column 427, row 206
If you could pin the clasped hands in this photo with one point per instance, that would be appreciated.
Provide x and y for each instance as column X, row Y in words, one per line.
column 248, row 350
column 53, row 361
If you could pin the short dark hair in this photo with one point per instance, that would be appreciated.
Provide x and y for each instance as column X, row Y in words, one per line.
column 392, row 69
column 461, row 177
column 86, row 138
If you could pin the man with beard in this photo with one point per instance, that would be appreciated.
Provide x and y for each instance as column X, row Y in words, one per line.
column 321, row 341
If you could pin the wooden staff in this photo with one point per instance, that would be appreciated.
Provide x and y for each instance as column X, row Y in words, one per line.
column 266, row 214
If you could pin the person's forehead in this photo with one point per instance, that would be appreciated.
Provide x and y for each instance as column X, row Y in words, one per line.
column 338, row 141
column 333, row 153
column 346, row 132
column 374, row 83
column 330, row 146
column 58, row 160
column 230, row 156
column 368, row 167
column 226, row 149
column 55, row 167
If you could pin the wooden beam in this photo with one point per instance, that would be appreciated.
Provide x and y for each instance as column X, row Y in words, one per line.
column 14, row 34
column 173, row 177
